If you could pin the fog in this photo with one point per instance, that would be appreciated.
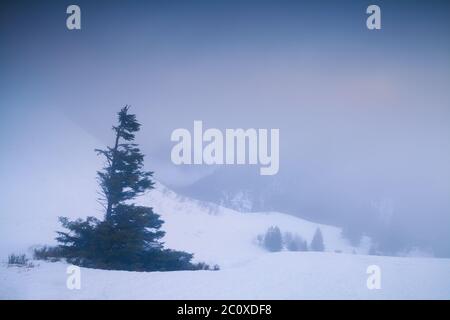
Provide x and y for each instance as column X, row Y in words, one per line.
column 363, row 116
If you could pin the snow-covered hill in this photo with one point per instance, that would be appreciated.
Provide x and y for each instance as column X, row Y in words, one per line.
column 218, row 235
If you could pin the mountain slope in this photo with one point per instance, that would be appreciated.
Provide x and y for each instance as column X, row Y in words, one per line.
column 219, row 235
column 226, row 237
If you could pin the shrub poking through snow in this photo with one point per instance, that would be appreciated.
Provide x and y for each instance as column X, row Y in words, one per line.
column 19, row 260
column 47, row 253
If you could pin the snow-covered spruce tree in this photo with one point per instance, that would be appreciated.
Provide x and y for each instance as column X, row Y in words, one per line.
column 128, row 238
column 295, row 242
column 317, row 241
column 273, row 240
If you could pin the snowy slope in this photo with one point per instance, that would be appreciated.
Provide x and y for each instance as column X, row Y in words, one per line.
column 219, row 235
column 227, row 237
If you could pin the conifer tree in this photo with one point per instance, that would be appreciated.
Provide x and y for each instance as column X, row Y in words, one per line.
column 129, row 236
column 123, row 178
column 317, row 241
column 273, row 240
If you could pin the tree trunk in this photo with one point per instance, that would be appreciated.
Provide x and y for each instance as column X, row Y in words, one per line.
column 111, row 173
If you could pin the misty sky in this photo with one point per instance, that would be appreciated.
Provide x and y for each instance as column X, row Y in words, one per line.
column 363, row 115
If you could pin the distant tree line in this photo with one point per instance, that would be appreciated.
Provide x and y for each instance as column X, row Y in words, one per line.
column 274, row 240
